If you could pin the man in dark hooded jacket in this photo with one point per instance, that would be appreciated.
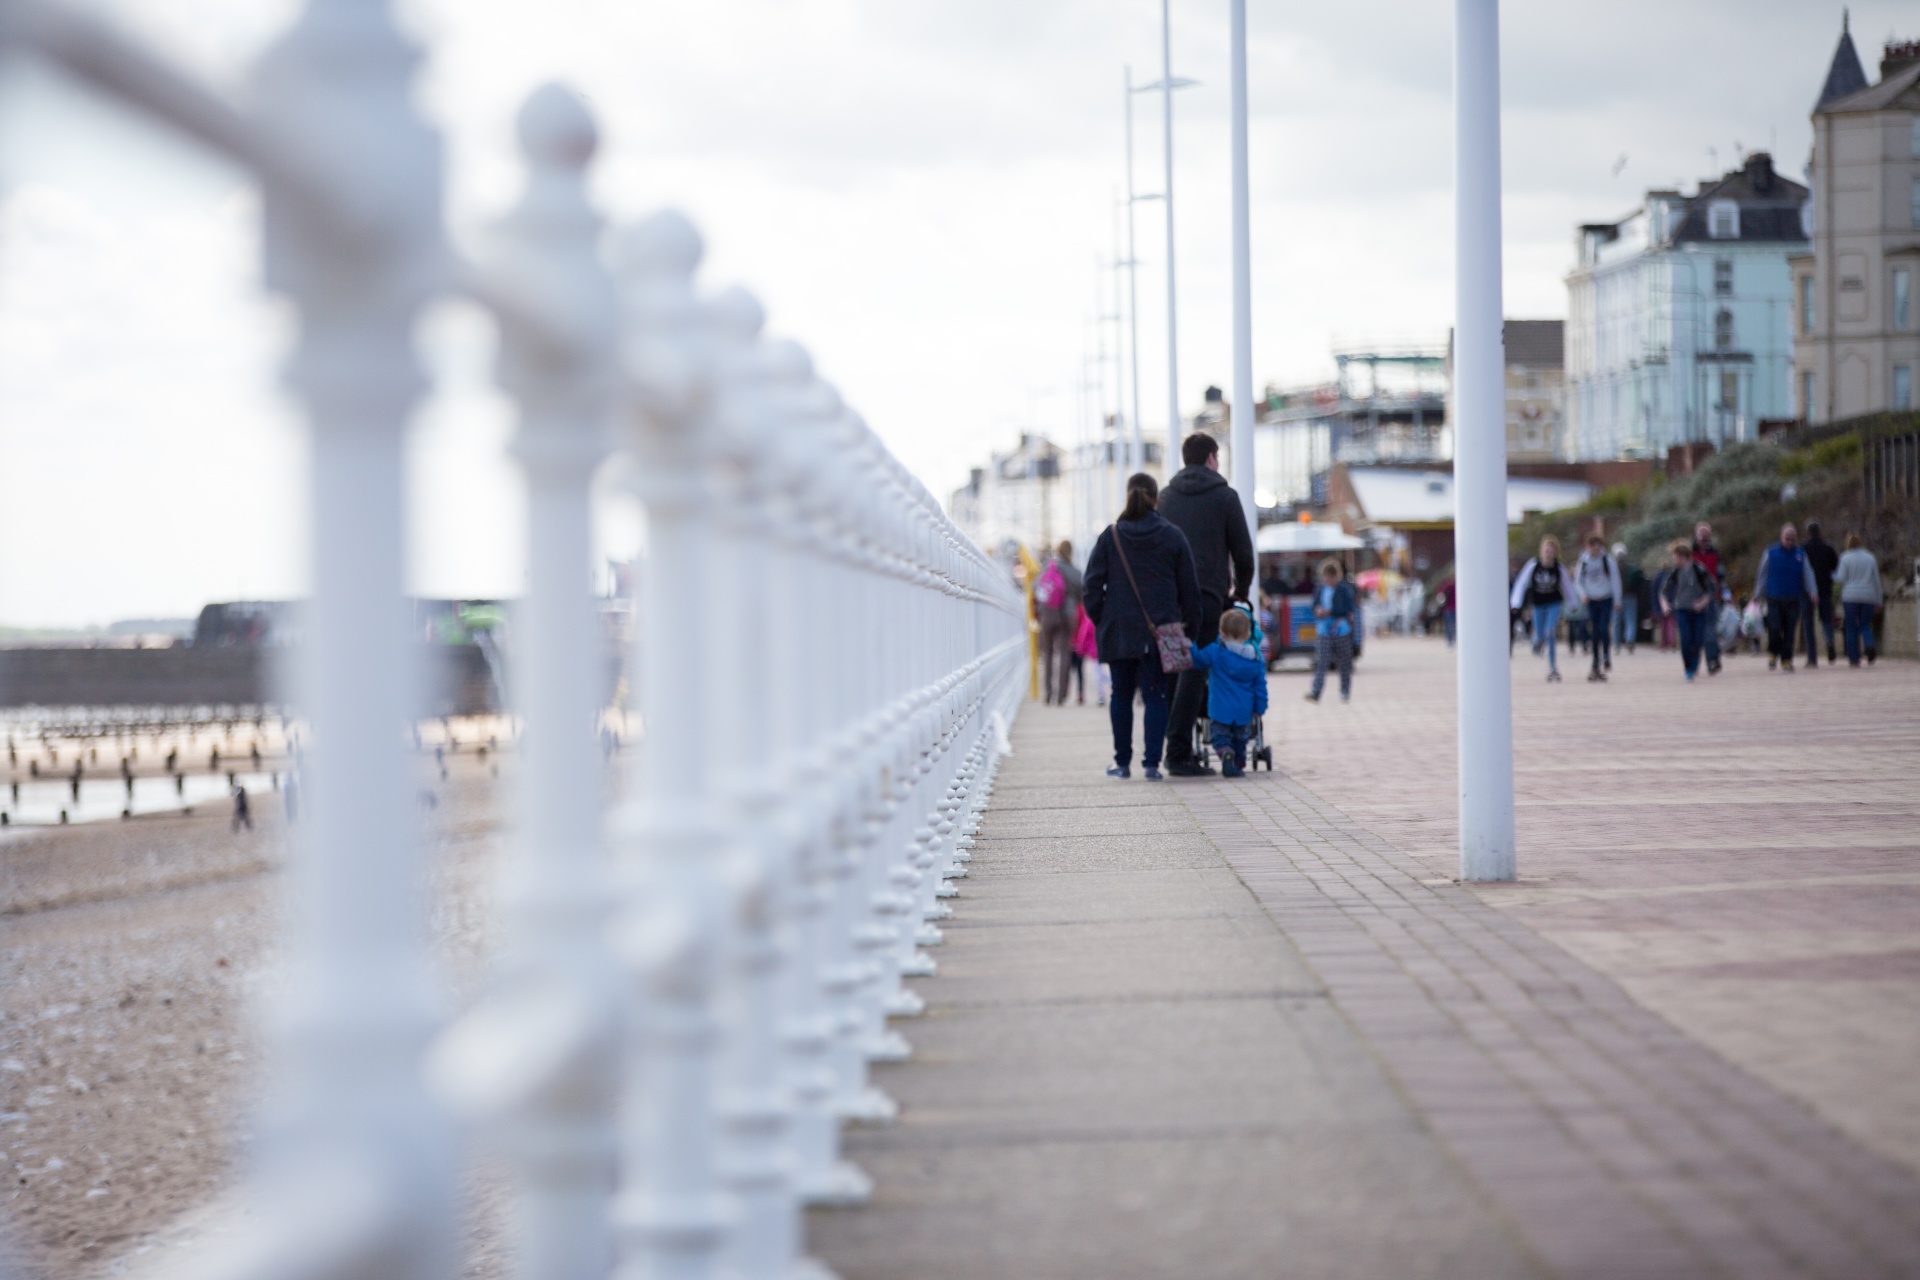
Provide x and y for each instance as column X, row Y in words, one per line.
column 1201, row 504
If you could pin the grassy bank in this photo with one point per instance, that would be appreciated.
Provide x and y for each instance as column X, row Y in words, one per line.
column 1746, row 493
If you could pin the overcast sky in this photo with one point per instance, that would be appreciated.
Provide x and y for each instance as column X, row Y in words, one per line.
column 922, row 191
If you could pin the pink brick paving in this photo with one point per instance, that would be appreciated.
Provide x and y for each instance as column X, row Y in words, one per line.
column 1698, row 844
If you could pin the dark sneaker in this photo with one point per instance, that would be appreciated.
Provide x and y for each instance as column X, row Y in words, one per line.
column 1313, row 697
column 1231, row 770
column 1787, row 666
column 1189, row 769
column 1121, row 771
column 1150, row 773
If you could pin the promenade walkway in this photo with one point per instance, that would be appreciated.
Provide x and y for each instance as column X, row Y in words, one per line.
column 1253, row 1028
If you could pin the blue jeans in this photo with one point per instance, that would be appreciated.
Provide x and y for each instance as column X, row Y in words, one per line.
column 1695, row 626
column 1809, row 612
column 1626, row 623
column 1857, row 620
column 1546, row 628
column 1452, row 625
column 1601, row 614
column 1230, row 741
column 1143, row 674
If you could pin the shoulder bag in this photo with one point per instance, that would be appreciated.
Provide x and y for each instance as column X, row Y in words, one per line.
column 1170, row 638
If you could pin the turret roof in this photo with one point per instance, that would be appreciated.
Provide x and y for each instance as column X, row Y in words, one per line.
column 1845, row 76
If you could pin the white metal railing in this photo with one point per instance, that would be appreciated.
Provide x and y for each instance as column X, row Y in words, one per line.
column 693, row 985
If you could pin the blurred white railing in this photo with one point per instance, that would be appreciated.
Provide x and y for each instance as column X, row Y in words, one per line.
column 694, row 984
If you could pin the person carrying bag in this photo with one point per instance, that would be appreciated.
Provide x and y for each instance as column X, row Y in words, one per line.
column 1156, row 564
column 1169, row 638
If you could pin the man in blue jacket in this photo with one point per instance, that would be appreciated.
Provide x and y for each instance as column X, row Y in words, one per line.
column 1785, row 581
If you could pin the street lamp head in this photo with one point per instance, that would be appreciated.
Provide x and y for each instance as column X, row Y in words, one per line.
column 1178, row 82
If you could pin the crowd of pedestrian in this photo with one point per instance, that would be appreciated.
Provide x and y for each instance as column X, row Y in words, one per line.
column 1162, row 607
column 1797, row 584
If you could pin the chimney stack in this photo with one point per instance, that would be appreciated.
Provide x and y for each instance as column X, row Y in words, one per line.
column 1898, row 56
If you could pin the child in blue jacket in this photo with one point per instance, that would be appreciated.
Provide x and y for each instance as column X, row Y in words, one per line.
column 1236, row 689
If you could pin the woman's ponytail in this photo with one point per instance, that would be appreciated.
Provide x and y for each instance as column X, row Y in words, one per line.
column 1143, row 495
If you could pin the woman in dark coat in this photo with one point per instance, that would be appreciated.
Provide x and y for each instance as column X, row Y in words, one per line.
column 1162, row 563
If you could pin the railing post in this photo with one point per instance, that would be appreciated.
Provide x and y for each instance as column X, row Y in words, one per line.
column 539, row 1058
column 671, row 1212
column 357, row 1169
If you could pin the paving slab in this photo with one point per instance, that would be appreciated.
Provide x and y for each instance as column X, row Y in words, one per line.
column 1127, row 1070
column 1255, row 1028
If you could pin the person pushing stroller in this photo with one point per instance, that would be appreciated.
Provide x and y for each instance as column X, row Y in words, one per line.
column 1236, row 689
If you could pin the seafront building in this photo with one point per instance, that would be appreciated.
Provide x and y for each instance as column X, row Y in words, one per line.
column 1536, row 390
column 1855, row 342
column 1040, row 492
column 1385, row 404
column 1677, row 317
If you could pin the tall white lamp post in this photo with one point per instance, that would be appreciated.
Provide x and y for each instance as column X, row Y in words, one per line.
column 1164, row 86
column 1242, row 407
column 1136, row 454
column 1167, row 87
column 1480, row 453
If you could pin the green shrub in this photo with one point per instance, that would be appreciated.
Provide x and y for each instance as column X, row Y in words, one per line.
column 1829, row 455
column 1615, row 497
column 1749, row 493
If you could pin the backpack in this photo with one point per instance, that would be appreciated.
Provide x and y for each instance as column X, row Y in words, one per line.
column 1051, row 591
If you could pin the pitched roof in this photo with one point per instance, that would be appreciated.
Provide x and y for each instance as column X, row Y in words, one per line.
column 1537, row 344
column 1845, row 75
column 1769, row 203
column 1877, row 98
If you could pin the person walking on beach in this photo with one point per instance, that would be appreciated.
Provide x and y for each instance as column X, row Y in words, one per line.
column 1785, row 580
column 1139, row 576
column 1596, row 580
column 1200, row 503
column 1709, row 557
column 1236, row 689
column 1823, row 560
column 1545, row 586
column 1334, row 605
column 1056, row 602
column 1688, row 594
column 1858, row 576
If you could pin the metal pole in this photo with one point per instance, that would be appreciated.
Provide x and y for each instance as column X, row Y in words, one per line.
column 1480, row 466
column 1136, row 452
column 1242, row 405
column 1173, row 339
